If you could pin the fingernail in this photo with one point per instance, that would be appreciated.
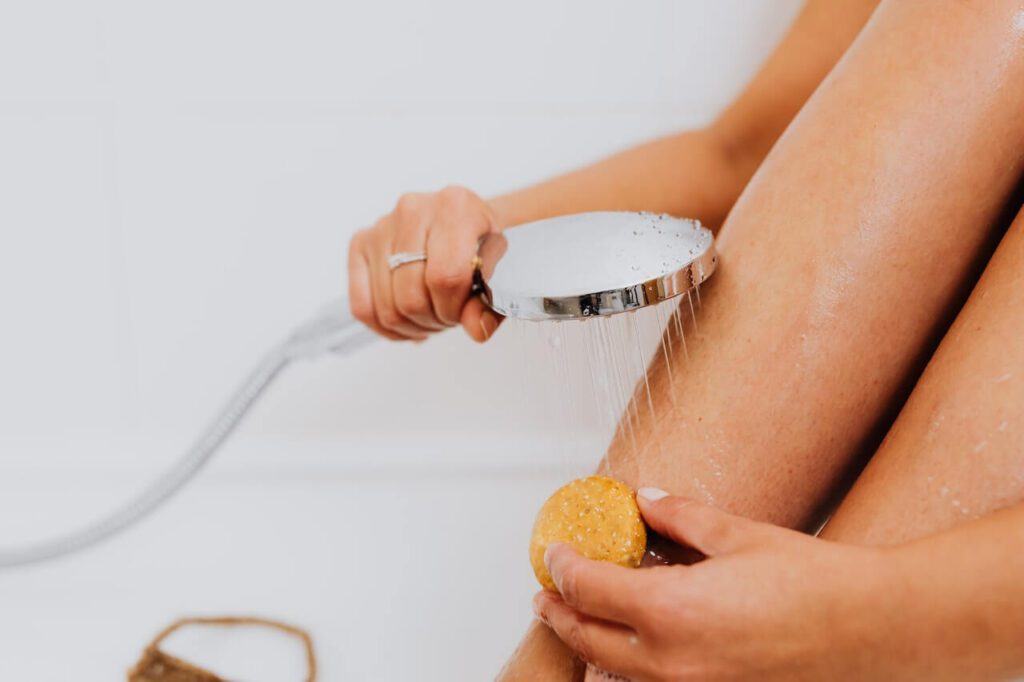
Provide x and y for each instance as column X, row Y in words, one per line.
column 651, row 494
column 555, row 576
column 547, row 554
column 489, row 323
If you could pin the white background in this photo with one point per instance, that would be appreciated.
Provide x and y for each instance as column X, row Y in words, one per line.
column 178, row 182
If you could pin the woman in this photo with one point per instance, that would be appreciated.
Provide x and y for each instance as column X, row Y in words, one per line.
column 848, row 261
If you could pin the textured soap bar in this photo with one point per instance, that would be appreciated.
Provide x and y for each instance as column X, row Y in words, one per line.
column 598, row 516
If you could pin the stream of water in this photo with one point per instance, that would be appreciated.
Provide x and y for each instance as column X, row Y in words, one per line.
column 593, row 382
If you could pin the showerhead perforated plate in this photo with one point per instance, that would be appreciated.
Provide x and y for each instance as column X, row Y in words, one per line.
column 593, row 264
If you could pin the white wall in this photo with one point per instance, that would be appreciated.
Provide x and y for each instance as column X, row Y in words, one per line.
column 178, row 182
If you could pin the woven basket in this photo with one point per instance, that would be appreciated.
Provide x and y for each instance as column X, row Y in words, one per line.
column 158, row 666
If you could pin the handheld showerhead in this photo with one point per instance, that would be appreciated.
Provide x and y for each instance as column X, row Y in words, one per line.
column 571, row 267
column 593, row 264
column 567, row 268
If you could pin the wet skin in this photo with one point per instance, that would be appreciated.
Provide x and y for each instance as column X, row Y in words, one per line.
column 841, row 265
column 918, row 572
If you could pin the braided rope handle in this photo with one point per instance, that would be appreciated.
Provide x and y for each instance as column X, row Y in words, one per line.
column 232, row 621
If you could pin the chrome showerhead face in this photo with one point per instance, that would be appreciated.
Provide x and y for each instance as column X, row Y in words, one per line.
column 593, row 264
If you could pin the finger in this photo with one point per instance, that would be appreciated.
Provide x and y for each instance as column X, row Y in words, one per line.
column 479, row 321
column 408, row 281
column 596, row 588
column 688, row 522
column 383, row 297
column 412, row 299
column 360, row 293
column 608, row 646
column 451, row 245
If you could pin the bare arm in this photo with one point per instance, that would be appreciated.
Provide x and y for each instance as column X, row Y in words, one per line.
column 772, row 605
column 964, row 598
column 697, row 174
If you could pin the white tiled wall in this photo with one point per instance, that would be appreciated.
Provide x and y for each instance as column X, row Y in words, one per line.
column 178, row 182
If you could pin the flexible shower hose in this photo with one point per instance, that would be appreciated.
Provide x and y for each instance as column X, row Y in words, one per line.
column 331, row 331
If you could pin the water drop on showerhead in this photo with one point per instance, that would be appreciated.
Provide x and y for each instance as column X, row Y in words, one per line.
column 588, row 261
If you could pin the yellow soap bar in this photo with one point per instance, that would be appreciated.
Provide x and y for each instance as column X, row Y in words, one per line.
column 598, row 516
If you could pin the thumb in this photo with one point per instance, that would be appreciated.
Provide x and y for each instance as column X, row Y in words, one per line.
column 479, row 321
column 691, row 523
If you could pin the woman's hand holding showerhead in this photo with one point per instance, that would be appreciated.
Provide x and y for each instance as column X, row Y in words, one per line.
column 410, row 275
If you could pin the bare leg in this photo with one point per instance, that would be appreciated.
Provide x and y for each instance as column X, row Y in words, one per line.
column 956, row 452
column 840, row 264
